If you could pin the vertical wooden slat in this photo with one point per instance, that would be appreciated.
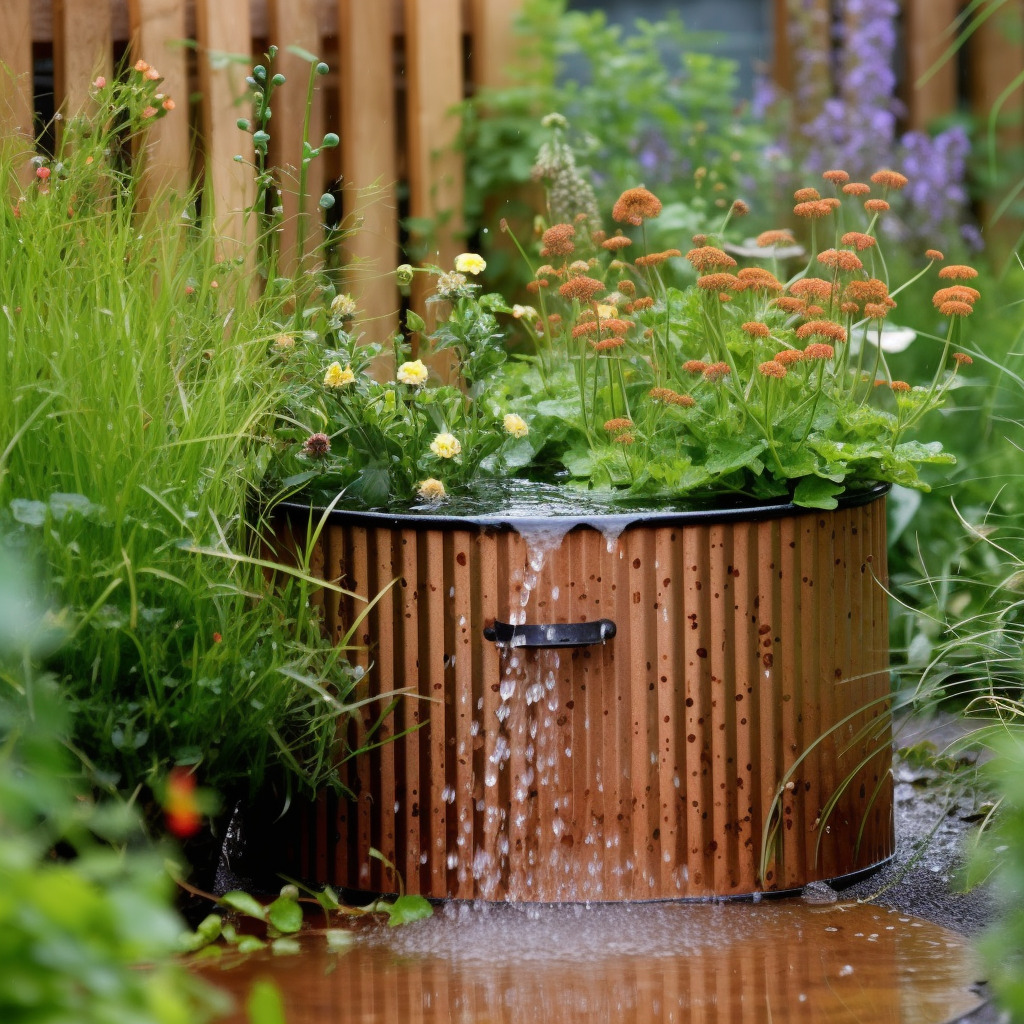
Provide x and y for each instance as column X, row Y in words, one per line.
column 294, row 23
column 782, row 55
column 82, row 49
column 223, row 27
column 16, row 128
column 926, row 39
column 157, row 27
column 995, row 58
column 434, row 82
column 369, row 160
column 493, row 41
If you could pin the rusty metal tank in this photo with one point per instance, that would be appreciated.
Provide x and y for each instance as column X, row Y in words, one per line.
column 637, row 706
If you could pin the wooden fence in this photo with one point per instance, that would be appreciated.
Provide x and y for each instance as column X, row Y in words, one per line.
column 398, row 67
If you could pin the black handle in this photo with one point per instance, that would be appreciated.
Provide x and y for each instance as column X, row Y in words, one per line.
column 556, row 634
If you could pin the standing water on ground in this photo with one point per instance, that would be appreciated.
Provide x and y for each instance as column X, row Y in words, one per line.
column 652, row 963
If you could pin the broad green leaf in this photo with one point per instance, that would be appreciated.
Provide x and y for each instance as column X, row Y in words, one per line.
column 816, row 492
column 407, row 909
column 285, row 915
column 244, row 904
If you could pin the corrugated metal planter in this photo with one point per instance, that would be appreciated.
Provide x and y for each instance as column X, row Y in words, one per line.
column 670, row 705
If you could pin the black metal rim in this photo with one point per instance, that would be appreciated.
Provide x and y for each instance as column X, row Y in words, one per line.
column 753, row 512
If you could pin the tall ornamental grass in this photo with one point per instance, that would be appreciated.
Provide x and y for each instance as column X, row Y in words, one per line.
column 137, row 393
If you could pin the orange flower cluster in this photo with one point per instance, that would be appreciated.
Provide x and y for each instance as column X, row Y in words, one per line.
column 670, row 397
column 707, row 257
column 718, row 282
column 619, row 423
column 654, row 258
column 557, row 240
column 769, row 239
column 957, row 272
column 772, row 368
column 812, row 288
column 636, row 205
column 758, row 279
column 583, row 288
column 822, row 329
column 756, row 329
column 858, row 240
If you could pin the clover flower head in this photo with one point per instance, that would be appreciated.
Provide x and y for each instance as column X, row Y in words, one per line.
column 470, row 263
column 515, row 425
column 431, row 489
column 336, row 377
column 453, row 286
column 343, row 306
column 414, row 373
column 316, row 446
column 446, row 446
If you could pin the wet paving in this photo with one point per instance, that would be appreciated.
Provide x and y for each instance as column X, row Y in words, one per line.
column 655, row 963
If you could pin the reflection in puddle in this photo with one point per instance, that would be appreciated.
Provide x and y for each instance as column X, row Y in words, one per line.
column 666, row 962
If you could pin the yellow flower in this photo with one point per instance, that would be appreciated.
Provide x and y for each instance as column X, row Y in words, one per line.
column 445, row 446
column 336, row 377
column 521, row 312
column 515, row 425
column 284, row 341
column 343, row 306
column 470, row 263
column 412, row 373
column 605, row 312
column 431, row 489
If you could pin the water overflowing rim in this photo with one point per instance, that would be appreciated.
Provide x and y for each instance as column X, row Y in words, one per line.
column 613, row 522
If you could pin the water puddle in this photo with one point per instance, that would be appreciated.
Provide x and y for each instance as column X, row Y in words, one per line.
column 776, row 961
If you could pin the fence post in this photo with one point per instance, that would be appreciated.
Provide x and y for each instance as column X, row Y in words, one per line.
column 16, row 121
column 82, row 49
column 158, row 32
column 229, row 184
column 931, row 77
column 369, row 160
column 434, row 82
column 294, row 23
column 995, row 59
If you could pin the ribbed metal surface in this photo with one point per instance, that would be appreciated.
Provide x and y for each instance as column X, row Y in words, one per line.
column 750, row 663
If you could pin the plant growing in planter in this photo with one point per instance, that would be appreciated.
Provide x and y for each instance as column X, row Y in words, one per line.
column 719, row 725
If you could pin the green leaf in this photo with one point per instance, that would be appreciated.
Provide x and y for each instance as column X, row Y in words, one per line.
column 415, row 322
column 250, row 944
column 285, row 915
column 726, row 456
column 580, row 462
column 207, row 931
column 286, row 947
column 264, row 1005
column 816, row 492
column 328, row 899
column 407, row 909
column 244, row 904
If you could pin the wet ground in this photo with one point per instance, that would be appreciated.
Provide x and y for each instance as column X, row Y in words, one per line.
column 904, row 957
column 781, row 961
